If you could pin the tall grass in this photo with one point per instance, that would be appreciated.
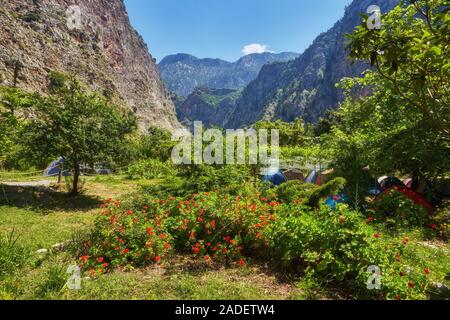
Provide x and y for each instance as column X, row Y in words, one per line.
column 13, row 256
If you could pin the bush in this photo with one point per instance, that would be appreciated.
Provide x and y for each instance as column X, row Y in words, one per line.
column 308, row 194
column 203, row 178
column 32, row 16
column 151, row 169
column 334, row 247
column 395, row 211
column 339, row 247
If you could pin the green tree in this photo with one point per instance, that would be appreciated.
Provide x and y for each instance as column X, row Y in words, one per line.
column 13, row 103
column 291, row 134
column 411, row 56
column 81, row 126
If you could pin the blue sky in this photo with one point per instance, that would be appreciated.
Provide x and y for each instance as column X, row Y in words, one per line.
column 222, row 28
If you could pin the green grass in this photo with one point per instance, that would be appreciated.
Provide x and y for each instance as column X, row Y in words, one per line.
column 41, row 218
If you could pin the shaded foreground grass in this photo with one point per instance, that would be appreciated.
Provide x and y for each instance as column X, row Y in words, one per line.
column 41, row 218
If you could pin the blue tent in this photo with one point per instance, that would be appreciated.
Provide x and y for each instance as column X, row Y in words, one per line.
column 276, row 178
column 55, row 167
column 332, row 202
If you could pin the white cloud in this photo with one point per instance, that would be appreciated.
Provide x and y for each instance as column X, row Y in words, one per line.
column 255, row 48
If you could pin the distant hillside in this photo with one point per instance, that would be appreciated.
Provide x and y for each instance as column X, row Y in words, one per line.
column 306, row 86
column 212, row 106
column 182, row 73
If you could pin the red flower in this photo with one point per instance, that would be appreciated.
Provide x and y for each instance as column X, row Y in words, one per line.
column 227, row 238
column 129, row 212
column 225, row 250
column 167, row 246
column 105, row 265
column 207, row 258
column 125, row 251
column 242, row 262
column 100, row 260
column 208, row 244
column 398, row 298
column 215, row 249
column 427, row 271
column 232, row 242
column 85, row 258
column 199, row 219
column 196, row 250
column 411, row 285
column 135, row 220
column 401, row 274
column 264, row 199
column 157, row 258
column 150, row 231
column 116, row 248
column 405, row 241
column 376, row 235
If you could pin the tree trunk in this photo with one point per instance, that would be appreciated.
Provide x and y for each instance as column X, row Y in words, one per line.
column 61, row 168
column 76, row 178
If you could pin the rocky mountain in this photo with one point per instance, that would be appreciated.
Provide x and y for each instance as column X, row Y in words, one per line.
column 305, row 87
column 212, row 106
column 182, row 73
column 103, row 50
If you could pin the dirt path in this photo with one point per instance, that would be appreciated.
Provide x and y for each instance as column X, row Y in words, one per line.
column 43, row 183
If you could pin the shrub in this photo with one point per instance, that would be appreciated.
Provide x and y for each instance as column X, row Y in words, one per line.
column 203, row 178
column 329, row 246
column 307, row 193
column 151, row 169
column 31, row 16
column 395, row 210
column 338, row 247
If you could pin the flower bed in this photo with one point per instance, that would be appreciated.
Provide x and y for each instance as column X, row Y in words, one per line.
column 332, row 246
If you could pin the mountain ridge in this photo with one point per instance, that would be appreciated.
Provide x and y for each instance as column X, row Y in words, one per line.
column 305, row 87
column 182, row 72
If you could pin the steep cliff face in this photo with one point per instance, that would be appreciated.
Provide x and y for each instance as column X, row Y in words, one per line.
column 106, row 53
column 182, row 73
column 212, row 106
column 305, row 87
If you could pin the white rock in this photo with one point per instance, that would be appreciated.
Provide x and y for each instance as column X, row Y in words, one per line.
column 42, row 251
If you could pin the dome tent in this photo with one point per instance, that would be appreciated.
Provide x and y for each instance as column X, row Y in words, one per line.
column 55, row 167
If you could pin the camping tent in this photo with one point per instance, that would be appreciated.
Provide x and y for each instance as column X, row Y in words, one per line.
column 54, row 168
column 319, row 178
column 294, row 174
column 389, row 182
column 276, row 178
column 332, row 202
column 312, row 177
column 414, row 196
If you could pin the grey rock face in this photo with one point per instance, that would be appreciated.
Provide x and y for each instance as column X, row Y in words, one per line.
column 106, row 53
column 305, row 87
